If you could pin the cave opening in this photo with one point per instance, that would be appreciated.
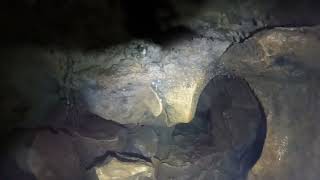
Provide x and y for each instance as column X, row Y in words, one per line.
column 230, row 118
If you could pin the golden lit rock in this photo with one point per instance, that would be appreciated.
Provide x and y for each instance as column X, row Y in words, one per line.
column 181, row 103
column 119, row 170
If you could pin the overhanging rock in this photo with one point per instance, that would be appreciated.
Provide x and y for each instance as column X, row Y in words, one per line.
column 141, row 82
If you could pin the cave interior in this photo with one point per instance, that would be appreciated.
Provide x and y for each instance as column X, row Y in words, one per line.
column 160, row 90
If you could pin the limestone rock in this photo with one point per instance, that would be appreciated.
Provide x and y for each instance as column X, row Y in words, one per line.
column 282, row 52
column 137, row 82
column 290, row 150
column 282, row 67
column 117, row 169
column 141, row 82
column 95, row 136
column 145, row 141
column 232, row 141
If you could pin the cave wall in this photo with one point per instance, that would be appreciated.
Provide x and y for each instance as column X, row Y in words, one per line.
column 281, row 65
column 101, row 23
column 99, row 54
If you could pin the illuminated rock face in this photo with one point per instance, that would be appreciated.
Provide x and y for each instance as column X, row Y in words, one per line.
column 144, row 83
column 282, row 67
column 116, row 169
column 138, row 82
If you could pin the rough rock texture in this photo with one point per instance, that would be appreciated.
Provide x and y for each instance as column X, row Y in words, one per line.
column 143, row 83
column 222, row 144
column 100, row 149
column 107, row 24
column 96, row 136
column 116, row 169
column 240, row 19
column 281, row 65
column 61, row 153
column 147, row 65
column 139, row 82
column 143, row 140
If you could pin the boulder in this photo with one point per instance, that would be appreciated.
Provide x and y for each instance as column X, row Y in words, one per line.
column 116, row 169
column 141, row 82
column 281, row 66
